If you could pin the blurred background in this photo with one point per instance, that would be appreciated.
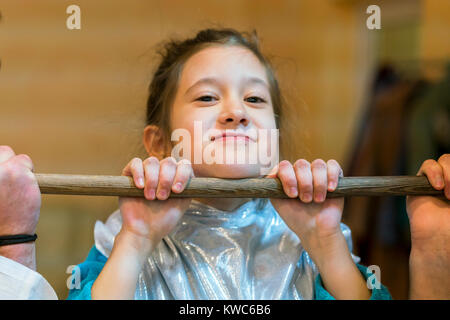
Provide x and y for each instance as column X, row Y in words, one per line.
column 377, row 101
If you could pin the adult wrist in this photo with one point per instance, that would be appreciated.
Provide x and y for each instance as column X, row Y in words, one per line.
column 23, row 253
column 429, row 275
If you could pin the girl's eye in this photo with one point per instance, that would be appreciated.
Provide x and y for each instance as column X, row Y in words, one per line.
column 255, row 100
column 206, row 98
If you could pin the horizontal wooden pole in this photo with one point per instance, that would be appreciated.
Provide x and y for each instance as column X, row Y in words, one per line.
column 97, row 185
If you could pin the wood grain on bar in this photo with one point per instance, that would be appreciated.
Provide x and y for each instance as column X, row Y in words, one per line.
column 100, row 185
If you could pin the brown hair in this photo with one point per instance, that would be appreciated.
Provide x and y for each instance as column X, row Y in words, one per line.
column 174, row 53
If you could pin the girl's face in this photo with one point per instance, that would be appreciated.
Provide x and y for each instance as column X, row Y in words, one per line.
column 226, row 89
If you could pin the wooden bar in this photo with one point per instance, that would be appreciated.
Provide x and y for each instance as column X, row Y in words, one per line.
column 101, row 185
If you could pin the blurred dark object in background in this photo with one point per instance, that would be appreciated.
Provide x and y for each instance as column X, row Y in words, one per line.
column 406, row 121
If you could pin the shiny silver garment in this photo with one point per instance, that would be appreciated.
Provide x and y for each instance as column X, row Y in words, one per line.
column 248, row 253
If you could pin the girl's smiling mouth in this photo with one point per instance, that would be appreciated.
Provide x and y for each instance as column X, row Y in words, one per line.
column 232, row 136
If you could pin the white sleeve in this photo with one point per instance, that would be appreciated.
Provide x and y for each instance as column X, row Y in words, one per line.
column 18, row 282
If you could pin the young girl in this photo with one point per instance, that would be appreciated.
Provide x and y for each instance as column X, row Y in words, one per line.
column 222, row 248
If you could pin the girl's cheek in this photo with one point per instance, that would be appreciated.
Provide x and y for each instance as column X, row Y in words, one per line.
column 263, row 118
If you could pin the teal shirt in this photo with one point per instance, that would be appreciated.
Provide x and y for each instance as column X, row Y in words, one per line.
column 91, row 268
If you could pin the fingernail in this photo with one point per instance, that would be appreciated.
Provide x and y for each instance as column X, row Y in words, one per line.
column 178, row 186
column 293, row 191
column 141, row 182
column 162, row 194
column 319, row 198
column 307, row 197
column 151, row 194
column 439, row 182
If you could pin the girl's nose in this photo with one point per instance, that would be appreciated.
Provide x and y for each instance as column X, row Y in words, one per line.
column 234, row 117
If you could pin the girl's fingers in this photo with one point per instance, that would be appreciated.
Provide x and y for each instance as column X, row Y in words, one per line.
column 444, row 161
column 183, row 173
column 320, row 179
column 288, row 179
column 433, row 171
column 334, row 172
column 134, row 169
column 273, row 172
column 151, row 171
column 304, row 179
column 167, row 171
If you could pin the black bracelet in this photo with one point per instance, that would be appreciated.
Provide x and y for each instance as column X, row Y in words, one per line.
column 18, row 238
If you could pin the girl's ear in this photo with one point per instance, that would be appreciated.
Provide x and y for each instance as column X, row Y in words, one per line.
column 154, row 142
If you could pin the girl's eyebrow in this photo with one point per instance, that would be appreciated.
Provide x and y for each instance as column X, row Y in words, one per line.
column 203, row 81
column 215, row 81
column 257, row 81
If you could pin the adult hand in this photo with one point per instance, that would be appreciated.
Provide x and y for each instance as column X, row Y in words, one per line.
column 429, row 219
column 20, row 203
